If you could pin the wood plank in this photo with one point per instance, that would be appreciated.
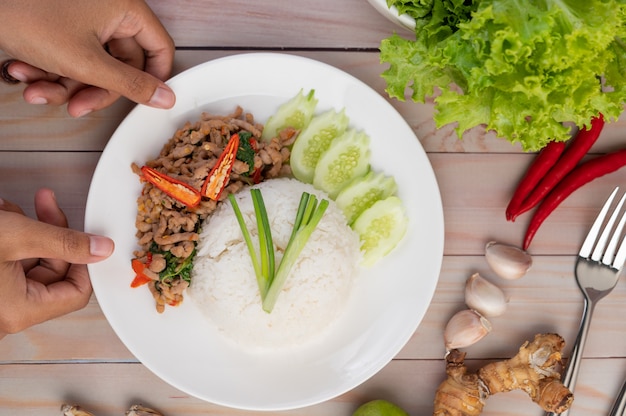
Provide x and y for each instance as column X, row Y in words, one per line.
column 266, row 24
column 104, row 390
column 474, row 199
column 43, row 146
column 67, row 174
column 476, row 188
column 545, row 300
column 28, row 127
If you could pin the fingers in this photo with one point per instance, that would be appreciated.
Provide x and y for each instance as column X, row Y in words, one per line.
column 90, row 98
column 26, row 302
column 46, row 88
column 127, row 50
column 142, row 26
column 134, row 84
column 49, row 270
column 53, row 287
column 23, row 72
column 10, row 207
column 54, row 93
column 154, row 39
column 47, row 209
column 4, row 73
column 48, row 238
column 117, row 77
column 59, row 298
column 24, row 238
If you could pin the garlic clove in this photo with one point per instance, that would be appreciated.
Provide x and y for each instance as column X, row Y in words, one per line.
column 74, row 410
column 465, row 328
column 141, row 410
column 507, row 261
column 485, row 297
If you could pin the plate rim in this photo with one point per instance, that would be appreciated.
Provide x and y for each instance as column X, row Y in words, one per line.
column 403, row 20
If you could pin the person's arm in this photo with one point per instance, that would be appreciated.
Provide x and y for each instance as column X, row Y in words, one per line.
column 87, row 53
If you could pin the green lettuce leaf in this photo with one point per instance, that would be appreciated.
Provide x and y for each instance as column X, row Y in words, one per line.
column 524, row 69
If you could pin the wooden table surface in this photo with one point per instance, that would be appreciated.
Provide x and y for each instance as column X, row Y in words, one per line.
column 79, row 359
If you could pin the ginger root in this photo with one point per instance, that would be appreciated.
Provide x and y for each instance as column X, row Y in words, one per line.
column 535, row 369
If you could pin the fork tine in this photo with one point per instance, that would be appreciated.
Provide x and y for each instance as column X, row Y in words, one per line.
column 620, row 257
column 585, row 250
column 597, row 253
column 610, row 251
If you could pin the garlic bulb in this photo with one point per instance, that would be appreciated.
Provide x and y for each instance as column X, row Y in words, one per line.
column 507, row 261
column 465, row 328
column 485, row 297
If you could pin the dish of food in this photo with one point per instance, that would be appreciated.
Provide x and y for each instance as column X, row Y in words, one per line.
column 391, row 13
column 387, row 301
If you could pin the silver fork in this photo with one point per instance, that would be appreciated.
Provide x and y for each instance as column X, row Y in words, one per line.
column 619, row 406
column 597, row 272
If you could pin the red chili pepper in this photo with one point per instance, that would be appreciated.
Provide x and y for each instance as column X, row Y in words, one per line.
column 254, row 144
column 257, row 175
column 586, row 172
column 578, row 148
column 140, row 277
column 180, row 191
column 219, row 176
column 544, row 161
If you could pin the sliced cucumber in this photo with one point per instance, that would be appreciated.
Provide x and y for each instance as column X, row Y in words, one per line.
column 363, row 192
column 347, row 158
column 296, row 113
column 380, row 228
column 314, row 140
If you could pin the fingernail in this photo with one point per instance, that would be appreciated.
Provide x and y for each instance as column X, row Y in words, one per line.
column 100, row 246
column 38, row 100
column 162, row 98
column 18, row 75
column 5, row 75
column 84, row 112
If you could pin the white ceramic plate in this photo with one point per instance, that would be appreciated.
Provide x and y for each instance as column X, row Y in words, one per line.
column 388, row 301
column 391, row 13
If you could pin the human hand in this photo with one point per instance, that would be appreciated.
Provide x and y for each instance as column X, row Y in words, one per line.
column 43, row 272
column 87, row 53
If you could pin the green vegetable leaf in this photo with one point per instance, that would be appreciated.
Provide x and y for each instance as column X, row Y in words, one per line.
column 175, row 268
column 246, row 152
column 520, row 68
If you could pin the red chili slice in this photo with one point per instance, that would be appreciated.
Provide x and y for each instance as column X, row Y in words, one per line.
column 219, row 176
column 180, row 191
column 140, row 277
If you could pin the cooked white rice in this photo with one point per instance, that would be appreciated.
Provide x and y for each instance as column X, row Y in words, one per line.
column 315, row 293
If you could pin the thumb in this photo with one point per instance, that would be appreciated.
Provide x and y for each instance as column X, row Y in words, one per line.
column 134, row 84
column 24, row 238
